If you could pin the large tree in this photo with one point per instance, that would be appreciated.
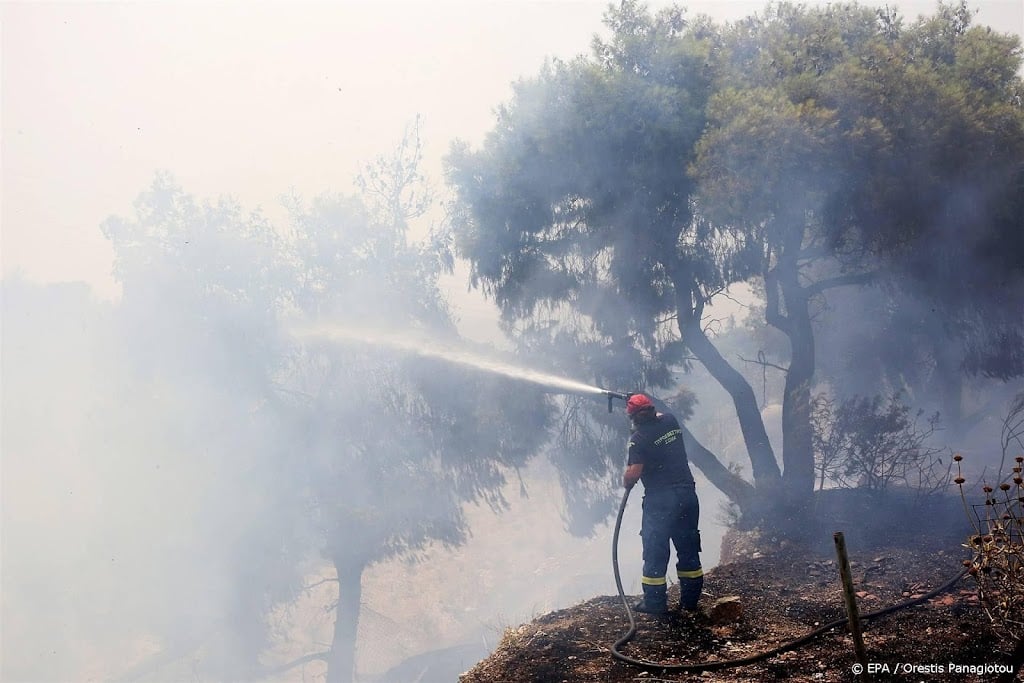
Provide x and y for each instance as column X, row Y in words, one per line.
column 917, row 179
column 338, row 453
column 787, row 150
column 955, row 283
column 390, row 446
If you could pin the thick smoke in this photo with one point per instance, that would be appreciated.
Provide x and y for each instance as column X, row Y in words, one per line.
column 209, row 468
column 184, row 480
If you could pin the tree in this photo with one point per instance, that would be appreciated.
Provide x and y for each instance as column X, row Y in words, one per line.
column 939, row 203
column 407, row 440
column 352, row 453
column 681, row 158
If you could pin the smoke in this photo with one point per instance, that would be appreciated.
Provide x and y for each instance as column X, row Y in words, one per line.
column 136, row 502
column 179, row 468
column 181, row 471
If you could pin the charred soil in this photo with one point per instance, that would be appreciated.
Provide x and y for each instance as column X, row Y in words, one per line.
column 786, row 592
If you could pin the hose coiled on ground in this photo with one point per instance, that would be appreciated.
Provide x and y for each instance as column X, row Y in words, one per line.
column 728, row 663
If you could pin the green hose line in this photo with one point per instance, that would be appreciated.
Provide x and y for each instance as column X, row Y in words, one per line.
column 724, row 664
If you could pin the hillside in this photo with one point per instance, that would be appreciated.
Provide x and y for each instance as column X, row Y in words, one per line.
column 786, row 592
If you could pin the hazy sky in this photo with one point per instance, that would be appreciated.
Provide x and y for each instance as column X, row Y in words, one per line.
column 255, row 99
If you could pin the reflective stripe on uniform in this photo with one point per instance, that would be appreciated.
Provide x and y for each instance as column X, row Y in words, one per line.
column 692, row 574
column 653, row 580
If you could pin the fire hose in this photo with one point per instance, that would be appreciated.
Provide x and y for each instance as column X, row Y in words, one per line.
column 727, row 663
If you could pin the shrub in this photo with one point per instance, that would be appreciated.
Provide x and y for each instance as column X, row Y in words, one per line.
column 875, row 443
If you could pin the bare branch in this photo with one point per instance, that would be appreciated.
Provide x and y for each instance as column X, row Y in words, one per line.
column 715, row 323
column 763, row 363
column 668, row 318
column 1013, row 428
column 319, row 583
column 730, row 297
column 304, row 659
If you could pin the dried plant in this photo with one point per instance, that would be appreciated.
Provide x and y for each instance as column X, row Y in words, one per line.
column 998, row 540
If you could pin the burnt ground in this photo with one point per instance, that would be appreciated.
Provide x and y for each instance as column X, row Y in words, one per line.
column 786, row 592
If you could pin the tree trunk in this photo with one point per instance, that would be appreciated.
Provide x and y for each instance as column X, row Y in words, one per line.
column 797, row 436
column 342, row 657
column 762, row 458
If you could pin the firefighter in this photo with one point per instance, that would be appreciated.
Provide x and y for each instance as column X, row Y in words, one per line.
column 657, row 457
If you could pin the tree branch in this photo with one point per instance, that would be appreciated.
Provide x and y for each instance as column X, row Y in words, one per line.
column 709, row 323
column 304, row 659
column 725, row 294
column 764, row 363
column 321, row 582
column 668, row 318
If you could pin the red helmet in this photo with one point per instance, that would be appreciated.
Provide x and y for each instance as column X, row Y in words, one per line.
column 636, row 403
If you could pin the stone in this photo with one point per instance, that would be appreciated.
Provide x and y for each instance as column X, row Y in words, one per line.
column 726, row 610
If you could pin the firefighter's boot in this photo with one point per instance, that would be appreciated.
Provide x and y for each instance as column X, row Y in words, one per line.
column 655, row 600
column 691, row 583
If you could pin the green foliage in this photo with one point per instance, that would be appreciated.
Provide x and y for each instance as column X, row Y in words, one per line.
column 567, row 203
column 801, row 150
column 902, row 135
column 764, row 157
column 570, row 216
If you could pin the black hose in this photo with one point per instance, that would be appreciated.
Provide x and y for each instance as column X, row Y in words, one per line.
column 727, row 663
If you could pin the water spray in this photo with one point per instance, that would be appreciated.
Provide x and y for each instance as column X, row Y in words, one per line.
column 419, row 346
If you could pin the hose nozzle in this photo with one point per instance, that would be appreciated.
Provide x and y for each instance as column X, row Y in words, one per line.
column 616, row 394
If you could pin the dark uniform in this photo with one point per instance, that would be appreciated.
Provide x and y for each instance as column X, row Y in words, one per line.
column 670, row 510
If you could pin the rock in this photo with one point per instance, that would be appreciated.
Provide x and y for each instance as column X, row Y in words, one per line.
column 726, row 610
